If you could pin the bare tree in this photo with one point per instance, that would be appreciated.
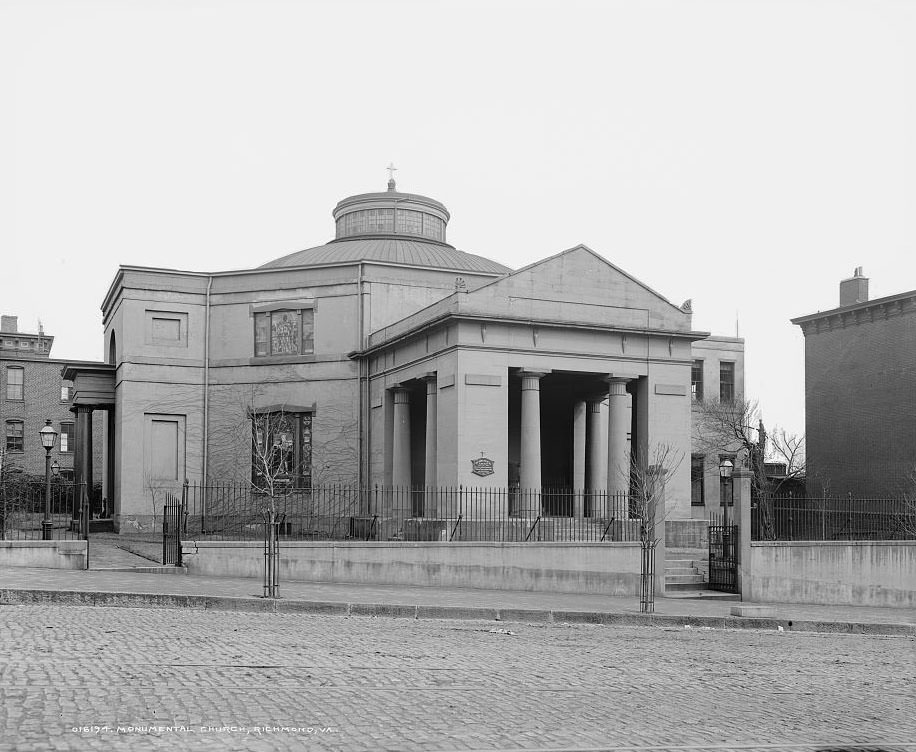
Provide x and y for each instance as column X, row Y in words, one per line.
column 737, row 428
column 648, row 473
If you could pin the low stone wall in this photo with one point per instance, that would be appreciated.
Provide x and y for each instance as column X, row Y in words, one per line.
column 856, row 573
column 608, row 569
column 53, row 554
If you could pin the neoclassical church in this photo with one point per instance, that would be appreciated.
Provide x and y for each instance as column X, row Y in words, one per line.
column 392, row 358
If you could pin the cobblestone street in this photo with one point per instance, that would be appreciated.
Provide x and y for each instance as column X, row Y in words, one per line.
column 71, row 676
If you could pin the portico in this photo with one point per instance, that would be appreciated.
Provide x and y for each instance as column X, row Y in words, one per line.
column 93, row 389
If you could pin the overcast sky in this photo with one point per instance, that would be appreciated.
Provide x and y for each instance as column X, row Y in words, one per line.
column 747, row 155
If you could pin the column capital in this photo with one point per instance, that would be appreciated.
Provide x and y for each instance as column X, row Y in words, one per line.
column 617, row 385
column 594, row 405
column 531, row 379
column 432, row 382
column 401, row 394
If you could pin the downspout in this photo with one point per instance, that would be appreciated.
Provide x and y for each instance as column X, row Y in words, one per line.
column 206, row 426
column 360, row 424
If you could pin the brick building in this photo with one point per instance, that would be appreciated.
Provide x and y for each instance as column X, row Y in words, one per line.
column 32, row 391
column 860, row 392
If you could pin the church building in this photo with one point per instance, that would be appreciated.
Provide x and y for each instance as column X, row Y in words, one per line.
column 390, row 358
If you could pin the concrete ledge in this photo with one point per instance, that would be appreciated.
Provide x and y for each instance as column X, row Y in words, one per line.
column 29, row 597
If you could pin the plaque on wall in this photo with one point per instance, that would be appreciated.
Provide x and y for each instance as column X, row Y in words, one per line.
column 482, row 466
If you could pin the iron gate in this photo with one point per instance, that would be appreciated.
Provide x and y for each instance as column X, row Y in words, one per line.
column 723, row 558
column 171, row 534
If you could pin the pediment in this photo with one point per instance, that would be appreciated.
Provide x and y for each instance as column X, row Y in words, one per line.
column 577, row 285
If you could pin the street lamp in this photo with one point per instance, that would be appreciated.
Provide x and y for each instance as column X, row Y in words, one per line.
column 725, row 473
column 48, row 439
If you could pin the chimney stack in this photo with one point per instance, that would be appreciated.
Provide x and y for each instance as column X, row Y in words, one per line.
column 854, row 290
column 9, row 324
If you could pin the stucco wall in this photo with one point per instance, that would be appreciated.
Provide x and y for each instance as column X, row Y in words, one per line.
column 547, row 567
column 857, row 573
column 56, row 554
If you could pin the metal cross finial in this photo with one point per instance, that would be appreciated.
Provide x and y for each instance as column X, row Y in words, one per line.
column 391, row 170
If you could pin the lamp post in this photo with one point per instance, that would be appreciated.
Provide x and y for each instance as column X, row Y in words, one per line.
column 725, row 473
column 48, row 439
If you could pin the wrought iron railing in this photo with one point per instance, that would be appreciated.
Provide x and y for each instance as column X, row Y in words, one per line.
column 23, row 509
column 349, row 512
column 833, row 518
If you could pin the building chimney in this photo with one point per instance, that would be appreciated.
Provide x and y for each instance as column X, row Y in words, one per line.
column 854, row 290
column 9, row 324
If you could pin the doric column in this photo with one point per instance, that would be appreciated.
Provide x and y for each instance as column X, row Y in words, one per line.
column 618, row 425
column 597, row 457
column 432, row 456
column 579, row 450
column 530, row 469
column 82, row 457
column 400, row 440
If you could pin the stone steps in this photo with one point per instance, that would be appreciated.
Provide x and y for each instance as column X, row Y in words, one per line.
column 685, row 570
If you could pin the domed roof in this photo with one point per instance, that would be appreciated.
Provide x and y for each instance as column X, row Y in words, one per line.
column 391, row 251
column 393, row 228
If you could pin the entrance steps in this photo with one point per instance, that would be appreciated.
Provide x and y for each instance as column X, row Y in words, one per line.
column 686, row 570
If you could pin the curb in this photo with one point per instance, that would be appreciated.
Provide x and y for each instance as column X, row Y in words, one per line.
column 33, row 597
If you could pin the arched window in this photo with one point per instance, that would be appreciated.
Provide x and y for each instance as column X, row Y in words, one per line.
column 112, row 351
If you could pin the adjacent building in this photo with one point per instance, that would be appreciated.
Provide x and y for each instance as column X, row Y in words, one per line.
column 32, row 391
column 860, row 392
column 388, row 357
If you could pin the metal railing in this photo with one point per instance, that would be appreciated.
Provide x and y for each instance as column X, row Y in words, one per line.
column 833, row 518
column 22, row 509
column 349, row 512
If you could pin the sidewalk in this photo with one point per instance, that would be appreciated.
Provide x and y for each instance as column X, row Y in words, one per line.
column 145, row 586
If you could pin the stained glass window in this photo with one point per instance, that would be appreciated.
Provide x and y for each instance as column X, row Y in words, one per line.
column 284, row 332
column 281, row 452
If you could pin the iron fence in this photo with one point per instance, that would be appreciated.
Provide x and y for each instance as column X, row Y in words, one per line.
column 828, row 518
column 22, row 509
column 349, row 512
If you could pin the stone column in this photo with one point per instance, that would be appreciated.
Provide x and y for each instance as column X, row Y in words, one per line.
column 741, row 477
column 82, row 459
column 579, row 442
column 530, row 469
column 432, row 457
column 618, row 455
column 597, row 458
column 400, row 440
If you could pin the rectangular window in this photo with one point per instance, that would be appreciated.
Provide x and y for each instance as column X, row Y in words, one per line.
column 14, row 383
column 410, row 222
column 697, row 494
column 66, row 437
column 696, row 380
column 14, row 436
column 281, row 451
column 726, row 382
column 66, row 391
column 284, row 332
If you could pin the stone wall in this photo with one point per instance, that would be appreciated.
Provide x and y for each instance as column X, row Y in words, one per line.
column 604, row 569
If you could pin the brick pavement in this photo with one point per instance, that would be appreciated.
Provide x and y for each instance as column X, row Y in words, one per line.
column 359, row 683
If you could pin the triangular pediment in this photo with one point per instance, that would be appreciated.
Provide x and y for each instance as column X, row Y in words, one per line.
column 577, row 285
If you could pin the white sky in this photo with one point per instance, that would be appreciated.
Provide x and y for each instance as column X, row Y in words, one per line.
column 747, row 155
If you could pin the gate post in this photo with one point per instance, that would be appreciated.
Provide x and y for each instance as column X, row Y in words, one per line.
column 741, row 478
